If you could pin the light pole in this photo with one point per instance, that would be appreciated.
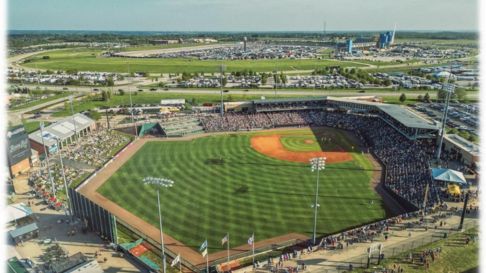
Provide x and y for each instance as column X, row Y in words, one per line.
column 72, row 112
column 49, row 176
column 131, row 103
column 166, row 183
column 221, row 83
column 317, row 164
column 64, row 178
column 449, row 88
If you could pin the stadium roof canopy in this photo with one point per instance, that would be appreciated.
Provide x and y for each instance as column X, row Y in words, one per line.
column 464, row 144
column 62, row 129
column 17, row 211
column 406, row 117
column 448, row 175
column 288, row 100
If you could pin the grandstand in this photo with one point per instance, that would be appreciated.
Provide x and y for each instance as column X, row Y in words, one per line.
column 181, row 125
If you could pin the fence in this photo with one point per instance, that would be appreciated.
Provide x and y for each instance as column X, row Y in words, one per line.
column 361, row 261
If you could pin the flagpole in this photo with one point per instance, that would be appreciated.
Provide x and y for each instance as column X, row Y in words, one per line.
column 253, row 249
column 228, row 245
column 207, row 257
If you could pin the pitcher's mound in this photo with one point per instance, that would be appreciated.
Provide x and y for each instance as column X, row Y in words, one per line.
column 271, row 146
column 309, row 141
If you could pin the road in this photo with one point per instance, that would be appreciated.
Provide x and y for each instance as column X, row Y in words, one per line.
column 15, row 116
column 262, row 92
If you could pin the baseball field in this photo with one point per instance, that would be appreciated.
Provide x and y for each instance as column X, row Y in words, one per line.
column 245, row 183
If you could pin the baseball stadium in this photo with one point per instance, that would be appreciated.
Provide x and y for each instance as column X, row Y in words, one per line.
column 246, row 172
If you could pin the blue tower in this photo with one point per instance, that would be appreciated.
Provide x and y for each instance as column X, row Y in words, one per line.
column 349, row 46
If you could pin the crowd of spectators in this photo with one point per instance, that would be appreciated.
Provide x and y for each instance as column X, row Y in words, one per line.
column 407, row 162
column 96, row 148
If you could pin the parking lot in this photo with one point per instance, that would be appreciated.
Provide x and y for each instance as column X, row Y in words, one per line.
column 460, row 116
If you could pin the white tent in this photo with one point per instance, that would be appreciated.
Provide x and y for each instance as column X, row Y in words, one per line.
column 17, row 211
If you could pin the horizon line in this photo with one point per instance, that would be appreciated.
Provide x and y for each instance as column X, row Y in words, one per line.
column 245, row 31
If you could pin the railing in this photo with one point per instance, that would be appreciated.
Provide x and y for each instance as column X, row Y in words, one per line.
column 361, row 261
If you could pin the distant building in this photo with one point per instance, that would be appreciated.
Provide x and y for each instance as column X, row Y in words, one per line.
column 349, row 46
column 165, row 42
column 362, row 43
column 18, row 153
column 386, row 39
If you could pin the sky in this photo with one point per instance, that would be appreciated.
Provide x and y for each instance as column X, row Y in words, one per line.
column 242, row 15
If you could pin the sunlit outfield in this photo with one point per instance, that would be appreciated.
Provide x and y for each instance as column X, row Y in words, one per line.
column 90, row 60
column 223, row 185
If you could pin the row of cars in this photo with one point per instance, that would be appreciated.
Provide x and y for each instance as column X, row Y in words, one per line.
column 460, row 116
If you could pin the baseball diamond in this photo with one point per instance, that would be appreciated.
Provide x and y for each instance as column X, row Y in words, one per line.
column 223, row 184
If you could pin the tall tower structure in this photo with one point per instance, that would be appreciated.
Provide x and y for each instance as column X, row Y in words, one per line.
column 244, row 43
column 392, row 41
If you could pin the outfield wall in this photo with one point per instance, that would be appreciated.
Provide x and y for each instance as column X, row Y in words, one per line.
column 95, row 217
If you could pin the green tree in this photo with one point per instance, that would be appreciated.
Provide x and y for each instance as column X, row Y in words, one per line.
column 110, row 82
column 283, row 77
column 224, row 81
column 460, row 94
column 420, row 98
column 427, row 97
column 441, row 95
column 104, row 95
column 94, row 114
column 403, row 98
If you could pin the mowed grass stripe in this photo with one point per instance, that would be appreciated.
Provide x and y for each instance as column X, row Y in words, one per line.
column 247, row 193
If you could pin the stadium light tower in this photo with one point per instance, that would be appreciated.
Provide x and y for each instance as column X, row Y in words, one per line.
column 222, row 68
column 165, row 183
column 449, row 88
column 49, row 176
column 317, row 164
column 64, row 178
column 131, row 103
column 71, row 98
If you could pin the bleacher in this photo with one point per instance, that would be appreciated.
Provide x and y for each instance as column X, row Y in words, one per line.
column 181, row 125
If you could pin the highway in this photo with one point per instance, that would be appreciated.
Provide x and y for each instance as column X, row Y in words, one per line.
column 262, row 92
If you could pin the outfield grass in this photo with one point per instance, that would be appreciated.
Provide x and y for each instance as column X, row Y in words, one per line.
column 246, row 193
column 90, row 60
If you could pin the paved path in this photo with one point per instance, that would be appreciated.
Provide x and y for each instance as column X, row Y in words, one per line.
column 16, row 116
column 47, row 221
column 398, row 241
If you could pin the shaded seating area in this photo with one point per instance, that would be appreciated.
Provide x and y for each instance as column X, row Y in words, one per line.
column 137, row 250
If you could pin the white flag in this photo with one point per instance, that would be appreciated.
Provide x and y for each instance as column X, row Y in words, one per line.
column 205, row 252
column 224, row 240
column 251, row 239
column 176, row 260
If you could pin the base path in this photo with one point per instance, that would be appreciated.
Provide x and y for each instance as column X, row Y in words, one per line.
column 270, row 145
